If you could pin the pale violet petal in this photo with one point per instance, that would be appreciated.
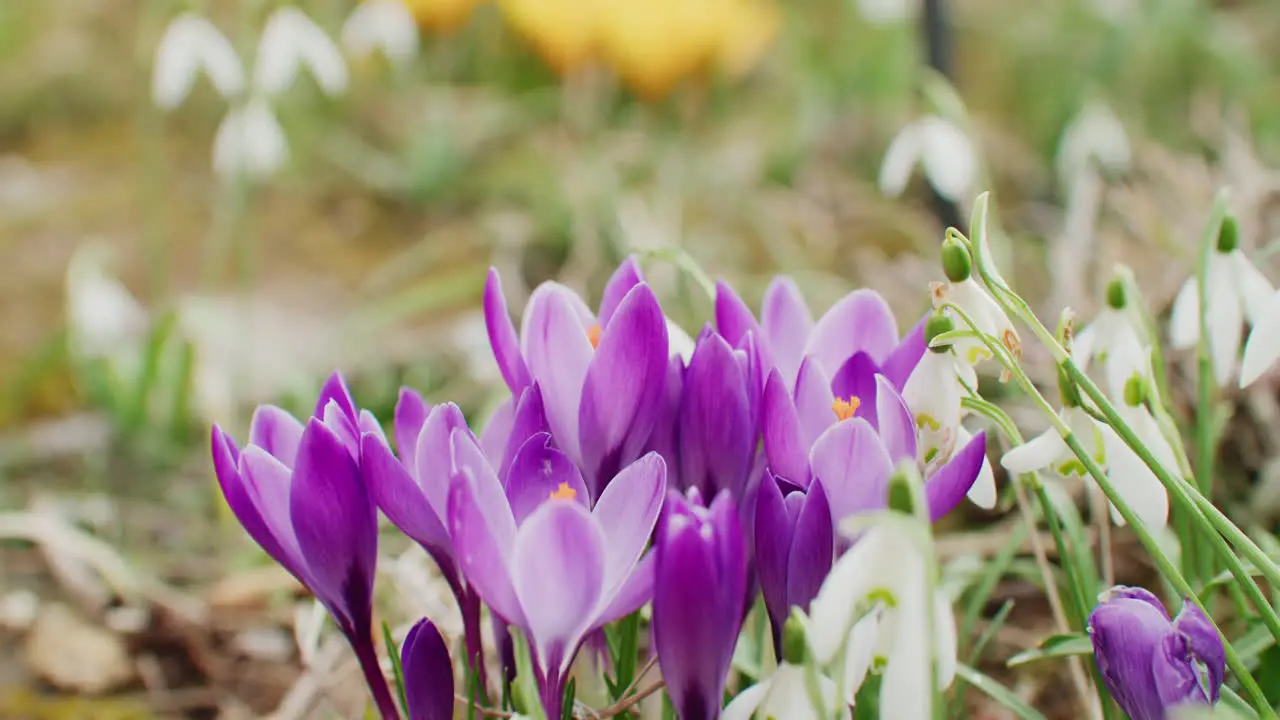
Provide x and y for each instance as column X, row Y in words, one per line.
column 1263, row 346
column 1225, row 317
column 949, row 157
column 900, row 160
column 1184, row 320
column 1037, row 453
column 382, row 25
column 190, row 44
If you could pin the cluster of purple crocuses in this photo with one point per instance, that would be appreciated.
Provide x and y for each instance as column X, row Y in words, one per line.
column 629, row 465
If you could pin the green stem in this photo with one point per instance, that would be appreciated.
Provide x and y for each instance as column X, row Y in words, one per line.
column 1205, row 451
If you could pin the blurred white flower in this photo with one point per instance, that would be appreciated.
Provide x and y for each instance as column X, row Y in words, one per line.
column 291, row 40
column 1237, row 292
column 1095, row 136
column 250, row 142
column 382, row 25
column 949, row 158
column 104, row 321
column 888, row 12
column 1262, row 349
column 191, row 45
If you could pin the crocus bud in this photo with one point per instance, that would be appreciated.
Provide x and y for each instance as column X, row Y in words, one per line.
column 699, row 585
column 428, row 673
column 956, row 263
column 795, row 546
column 1152, row 664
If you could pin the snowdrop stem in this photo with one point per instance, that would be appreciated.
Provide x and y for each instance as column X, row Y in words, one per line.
column 1098, row 508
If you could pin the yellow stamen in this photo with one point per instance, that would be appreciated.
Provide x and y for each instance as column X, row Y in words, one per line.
column 844, row 409
column 593, row 334
column 564, row 492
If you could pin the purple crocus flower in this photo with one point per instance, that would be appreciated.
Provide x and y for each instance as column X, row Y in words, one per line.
column 602, row 375
column 859, row 325
column 794, row 547
column 297, row 491
column 542, row 557
column 428, row 673
column 700, row 579
column 1152, row 664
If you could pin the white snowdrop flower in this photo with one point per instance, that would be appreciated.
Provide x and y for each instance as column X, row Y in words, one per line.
column 972, row 299
column 291, row 40
column 1095, row 136
column 1262, row 349
column 191, row 45
column 888, row 12
column 949, row 158
column 1049, row 451
column 249, row 142
column 1114, row 338
column 1133, row 479
column 104, row 321
column 382, row 25
column 932, row 393
column 1236, row 292
column 983, row 491
column 783, row 694
column 887, row 568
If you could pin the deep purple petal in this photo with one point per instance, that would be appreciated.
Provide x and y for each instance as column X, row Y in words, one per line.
column 947, row 487
column 559, row 353
column 717, row 430
column 558, row 567
column 812, row 549
column 894, row 422
column 627, row 510
column 428, row 673
column 851, row 462
column 733, row 318
column 665, row 437
column 773, row 535
column 1176, row 679
column 784, row 444
column 859, row 322
column 345, row 428
column 483, row 556
column 393, row 491
column 787, row 324
column 538, row 472
column 502, row 335
column 529, row 420
column 1138, row 593
column 244, row 500
column 277, row 432
column 813, row 401
column 857, row 379
column 335, row 390
column 335, row 523
column 411, row 413
column 1126, row 634
column 623, row 391
column 627, row 276
column 431, row 464
column 904, row 358
column 1204, row 643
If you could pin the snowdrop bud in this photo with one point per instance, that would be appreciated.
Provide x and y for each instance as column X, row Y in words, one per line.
column 903, row 486
column 1067, row 389
column 794, row 644
column 1116, row 295
column 1228, row 234
column 1135, row 391
column 937, row 324
column 956, row 262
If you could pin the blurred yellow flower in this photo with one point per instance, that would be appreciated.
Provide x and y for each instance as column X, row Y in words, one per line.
column 746, row 36
column 441, row 15
column 563, row 32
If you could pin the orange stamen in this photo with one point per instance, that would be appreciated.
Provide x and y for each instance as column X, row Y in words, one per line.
column 844, row 409
column 564, row 492
column 593, row 334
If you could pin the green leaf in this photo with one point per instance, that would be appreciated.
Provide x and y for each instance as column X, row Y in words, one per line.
column 1054, row 646
column 570, row 695
column 998, row 692
column 524, row 689
column 396, row 669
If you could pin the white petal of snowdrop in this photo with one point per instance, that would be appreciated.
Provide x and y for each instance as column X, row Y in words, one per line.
column 1035, row 454
column 1254, row 288
column 1237, row 292
column 250, row 142
column 103, row 318
column 192, row 44
column 1113, row 339
column 932, row 392
column 382, row 25
column 949, row 157
column 1226, row 317
column 1263, row 346
column 989, row 318
column 291, row 40
column 1136, row 483
column 1048, row 450
column 1184, row 319
column 782, row 695
column 1093, row 136
column 900, row 160
column 983, row 491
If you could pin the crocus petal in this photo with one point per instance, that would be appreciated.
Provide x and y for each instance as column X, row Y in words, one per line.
column 894, row 422
column 254, row 508
column 558, row 568
column 335, row 390
column 277, row 432
column 1176, row 682
column 812, row 549
column 558, row 353
column 787, row 323
column 813, row 401
column 627, row 510
column 623, row 390
column 1125, row 634
column 539, row 472
column 773, row 538
column 733, row 318
column 1184, row 319
column 950, row 484
column 1263, row 347
column 502, row 335
column 859, row 322
column 496, row 435
column 983, row 491
column 627, row 276
column 393, row 490
column 428, row 673
column 529, row 420
column 411, row 413
column 635, row 591
column 433, row 452
column 190, row 44
column 470, row 462
column 904, row 358
column 718, row 432
column 784, row 445
column 1205, row 642
column 1037, row 453
column 856, row 378
column 336, row 524
column 1225, row 318
column 854, row 467
column 483, row 557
